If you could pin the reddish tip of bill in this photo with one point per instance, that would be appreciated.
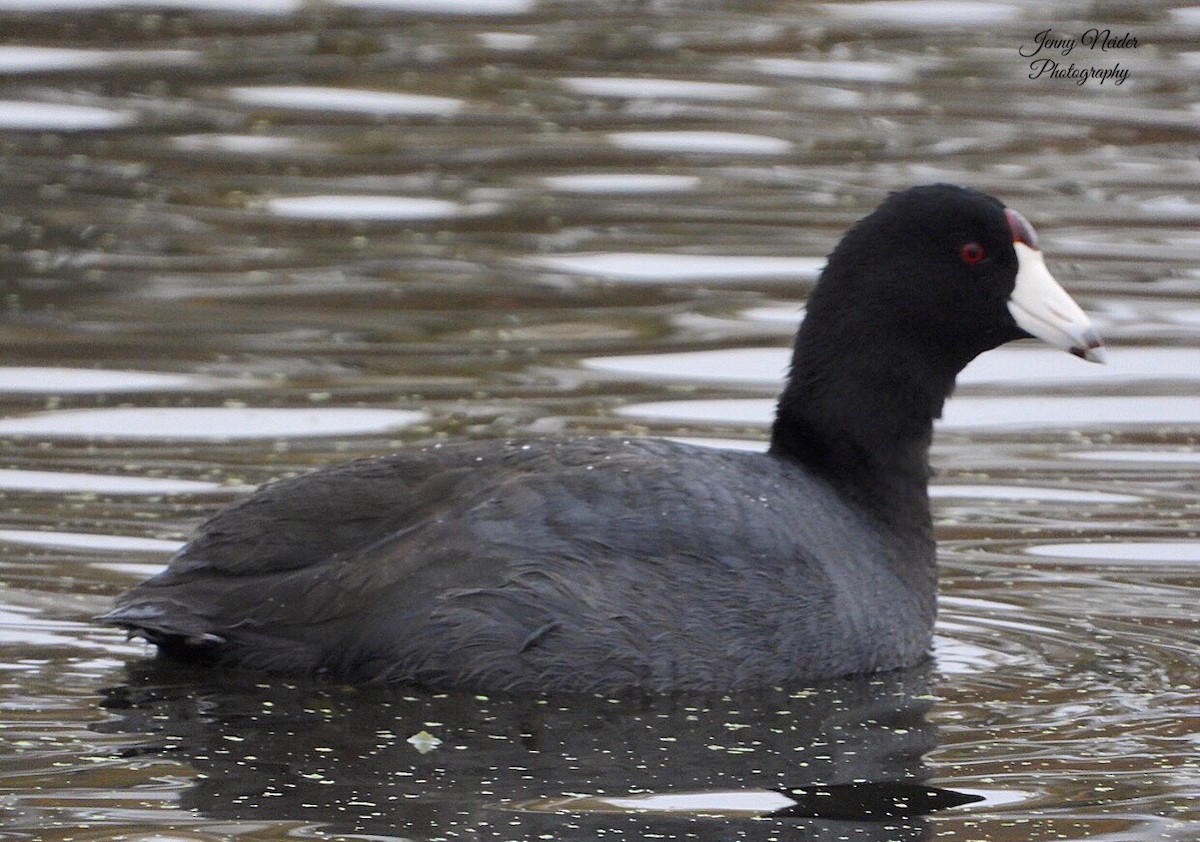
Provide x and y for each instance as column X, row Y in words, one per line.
column 1022, row 231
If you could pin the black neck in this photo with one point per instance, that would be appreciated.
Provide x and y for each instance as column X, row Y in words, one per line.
column 862, row 417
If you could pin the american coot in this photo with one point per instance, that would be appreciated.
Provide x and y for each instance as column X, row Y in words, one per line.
column 607, row 563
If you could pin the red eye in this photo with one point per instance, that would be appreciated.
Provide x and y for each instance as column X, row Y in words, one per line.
column 972, row 253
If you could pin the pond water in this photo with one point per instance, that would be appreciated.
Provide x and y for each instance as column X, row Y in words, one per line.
column 237, row 244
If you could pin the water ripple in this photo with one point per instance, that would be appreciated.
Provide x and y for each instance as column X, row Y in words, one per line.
column 214, row 424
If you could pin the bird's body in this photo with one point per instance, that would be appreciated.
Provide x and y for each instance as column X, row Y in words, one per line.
column 491, row 565
column 606, row 563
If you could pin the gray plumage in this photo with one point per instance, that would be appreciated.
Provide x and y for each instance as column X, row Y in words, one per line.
column 606, row 563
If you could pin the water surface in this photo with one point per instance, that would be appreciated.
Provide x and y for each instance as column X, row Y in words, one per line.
column 236, row 245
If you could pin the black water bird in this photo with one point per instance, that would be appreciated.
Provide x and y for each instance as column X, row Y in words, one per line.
column 604, row 563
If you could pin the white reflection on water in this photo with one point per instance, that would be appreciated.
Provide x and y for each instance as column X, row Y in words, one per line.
column 649, row 268
column 1028, row 492
column 1171, row 207
column 749, row 411
column 64, row 482
column 21, row 626
column 840, row 71
column 247, row 144
column 1069, row 411
column 1153, row 552
column 957, row 657
column 507, row 41
column 966, row 626
column 638, row 88
column 258, row 7
column 19, row 115
column 88, row 541
column 137, row 570
column 1189, row 16
column 17, row 59
column 747, row 445
column 1182, row 317
column 346, row 100
column 1030, row 364
column 713, row 803
column 923, row 14
column 411, row 208
column 621, row 183
column 782, row 314
column 749, row 366
column 210, row 424
column 701, row 142
column 444, row 7
column 61, row 381
column 976, row 412
column 1154, row 456
column 1039, row 364
column 718, row 801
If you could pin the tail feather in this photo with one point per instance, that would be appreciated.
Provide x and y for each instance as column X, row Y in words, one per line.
column 163, row 624
column 181, row 634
